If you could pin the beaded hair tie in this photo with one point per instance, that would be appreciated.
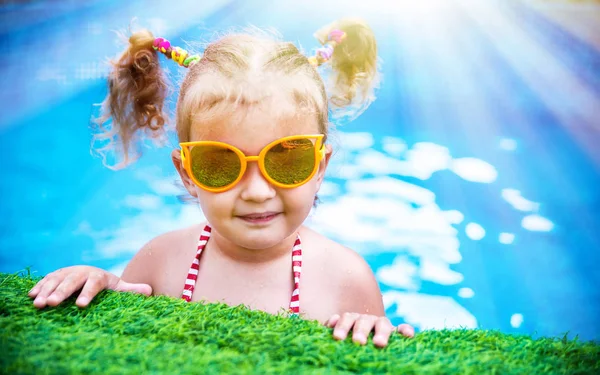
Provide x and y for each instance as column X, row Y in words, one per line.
column 324, row 53
column 180, row 56
column 177, row 54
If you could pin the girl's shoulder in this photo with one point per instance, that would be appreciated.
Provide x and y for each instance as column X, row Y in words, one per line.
column 160, row 251
column 339, row 259
column 169, row 241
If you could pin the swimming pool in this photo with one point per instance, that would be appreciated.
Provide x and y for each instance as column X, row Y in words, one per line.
column 471, row 185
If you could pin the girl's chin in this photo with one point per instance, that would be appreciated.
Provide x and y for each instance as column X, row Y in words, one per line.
column 260, row 238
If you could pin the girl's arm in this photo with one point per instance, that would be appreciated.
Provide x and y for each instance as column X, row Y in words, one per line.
column 359, row 288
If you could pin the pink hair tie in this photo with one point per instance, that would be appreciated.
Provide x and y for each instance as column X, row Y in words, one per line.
column 161, row 44
column 325, row 53
column 336, row 35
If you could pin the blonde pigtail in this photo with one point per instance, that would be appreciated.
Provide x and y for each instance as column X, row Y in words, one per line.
column 135, row 101
column 351, row 48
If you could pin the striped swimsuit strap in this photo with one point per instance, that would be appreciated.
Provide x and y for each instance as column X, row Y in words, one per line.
column 190, row 281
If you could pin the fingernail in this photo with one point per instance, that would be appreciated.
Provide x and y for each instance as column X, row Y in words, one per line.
column 359, row 337
column 338, row 335
column 82, row 300
column 379, row 340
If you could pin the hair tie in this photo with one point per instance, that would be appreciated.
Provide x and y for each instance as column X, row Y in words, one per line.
column 325, row 53
column 161, row 44
column 336, row 35
column 177, row 54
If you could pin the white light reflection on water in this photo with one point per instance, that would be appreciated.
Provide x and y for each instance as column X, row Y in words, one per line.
column 474, row 231
column 506, row 238
column 516, row 320
column 514, row 198
column 474, row 170
column 373, row 213
column 537, row 223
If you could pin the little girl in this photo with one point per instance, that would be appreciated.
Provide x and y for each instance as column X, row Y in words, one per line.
column 252, row 121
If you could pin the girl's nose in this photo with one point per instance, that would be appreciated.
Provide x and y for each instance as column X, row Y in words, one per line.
column 255, row 186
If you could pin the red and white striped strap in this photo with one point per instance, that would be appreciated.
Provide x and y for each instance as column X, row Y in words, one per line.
column 297, row 268
column 190, row 281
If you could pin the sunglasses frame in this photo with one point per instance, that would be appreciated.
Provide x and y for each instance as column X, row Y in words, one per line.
column 244, row 159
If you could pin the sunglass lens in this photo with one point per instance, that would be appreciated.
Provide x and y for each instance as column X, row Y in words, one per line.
column 291, row 162
column 215, row 166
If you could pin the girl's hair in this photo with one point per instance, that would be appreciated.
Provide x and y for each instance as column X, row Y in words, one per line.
column 239, row 69
column 354, row 67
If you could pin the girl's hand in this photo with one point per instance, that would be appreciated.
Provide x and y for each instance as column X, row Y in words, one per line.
column 59, row 285
column 363, row 324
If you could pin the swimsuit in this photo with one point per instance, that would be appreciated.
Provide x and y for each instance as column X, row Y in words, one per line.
column 188, row 289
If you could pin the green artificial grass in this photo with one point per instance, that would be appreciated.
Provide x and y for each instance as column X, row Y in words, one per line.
column 128, row 333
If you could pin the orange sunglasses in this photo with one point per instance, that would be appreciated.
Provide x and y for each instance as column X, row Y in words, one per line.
column 287, row 162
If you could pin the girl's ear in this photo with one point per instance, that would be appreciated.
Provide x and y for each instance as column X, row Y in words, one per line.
column 187, row 181
column 323, row 165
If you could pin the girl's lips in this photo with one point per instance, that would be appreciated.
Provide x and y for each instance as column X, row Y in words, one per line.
column 259, row 218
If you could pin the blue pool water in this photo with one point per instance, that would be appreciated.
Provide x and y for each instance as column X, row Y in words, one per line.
column 471, row 185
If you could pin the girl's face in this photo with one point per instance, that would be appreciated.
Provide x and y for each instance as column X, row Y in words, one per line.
column 255, row 214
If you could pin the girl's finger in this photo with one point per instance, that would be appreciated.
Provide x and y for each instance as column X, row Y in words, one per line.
column 47, row 289
column 96, row 282
column 362, row 327
column 40, row 285
column 344, row 325
column 332, row 321
column 406, row 330
column 383, row 330
column 66, row 288
column 37, row 287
